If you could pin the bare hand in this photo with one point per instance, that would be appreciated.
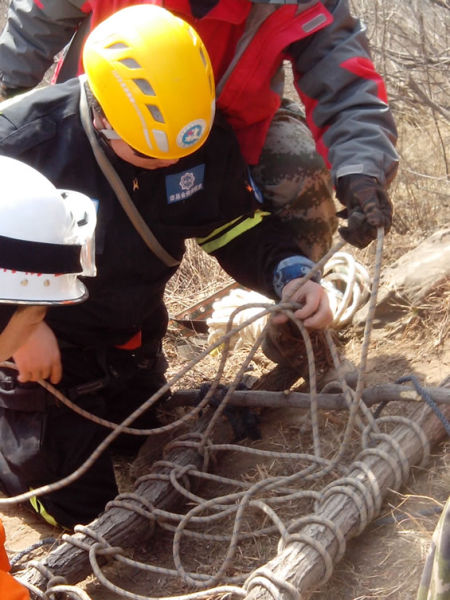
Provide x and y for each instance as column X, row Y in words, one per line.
column 39, row 357
column 315, row 312
column 21, row 325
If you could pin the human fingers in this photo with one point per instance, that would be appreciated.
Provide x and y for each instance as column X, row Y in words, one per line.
column 55, row 374
column 322, row 317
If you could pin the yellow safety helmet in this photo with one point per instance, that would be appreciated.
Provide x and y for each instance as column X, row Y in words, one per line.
column 152, row 76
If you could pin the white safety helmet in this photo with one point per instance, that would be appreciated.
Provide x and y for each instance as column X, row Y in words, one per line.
column 46, row 238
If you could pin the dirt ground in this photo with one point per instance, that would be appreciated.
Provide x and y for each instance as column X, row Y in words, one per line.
column 386, row 560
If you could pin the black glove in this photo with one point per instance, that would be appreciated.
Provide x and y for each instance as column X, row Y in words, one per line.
column 367, row 208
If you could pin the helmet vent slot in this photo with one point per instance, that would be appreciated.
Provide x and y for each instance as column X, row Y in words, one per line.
column 205, row 64
column 156, row 113
column 145, row 87
column 130, row 63
column 193, row 35
column 118, row 46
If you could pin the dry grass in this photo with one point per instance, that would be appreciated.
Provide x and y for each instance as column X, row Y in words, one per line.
column 427, row 326
column 198, row 277
column 386, row 561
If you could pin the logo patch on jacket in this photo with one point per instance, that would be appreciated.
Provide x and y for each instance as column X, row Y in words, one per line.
column 183, row 185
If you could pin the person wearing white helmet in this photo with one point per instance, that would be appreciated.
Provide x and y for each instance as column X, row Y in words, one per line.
column 139, row 134
column 39, row 265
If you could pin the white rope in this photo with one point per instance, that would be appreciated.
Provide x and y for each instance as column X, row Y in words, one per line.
column 222, row 310
column 346, row 281
column 348, row 286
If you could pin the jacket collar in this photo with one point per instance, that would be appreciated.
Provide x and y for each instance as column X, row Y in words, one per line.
column 231, row 11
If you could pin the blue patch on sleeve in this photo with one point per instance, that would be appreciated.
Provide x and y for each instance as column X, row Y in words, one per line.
column 180, row 186
column 291, row 268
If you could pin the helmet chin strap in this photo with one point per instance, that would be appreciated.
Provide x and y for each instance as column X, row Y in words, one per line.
column 109, row 134
column 103, row 127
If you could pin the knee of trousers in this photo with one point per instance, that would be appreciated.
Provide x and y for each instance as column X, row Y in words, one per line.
column 291, row 174
column 40, row 443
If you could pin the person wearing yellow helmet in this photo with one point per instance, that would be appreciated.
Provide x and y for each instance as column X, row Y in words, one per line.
column 139, row 135
column 342, row 135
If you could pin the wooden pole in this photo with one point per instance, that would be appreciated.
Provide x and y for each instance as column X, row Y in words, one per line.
column 117, row 525
column 299, row 564
column 264, row 399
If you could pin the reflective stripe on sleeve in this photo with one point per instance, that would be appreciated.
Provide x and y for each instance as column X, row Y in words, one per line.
column 223, row 235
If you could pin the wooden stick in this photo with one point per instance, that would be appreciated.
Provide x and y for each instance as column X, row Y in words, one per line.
column 263, row 399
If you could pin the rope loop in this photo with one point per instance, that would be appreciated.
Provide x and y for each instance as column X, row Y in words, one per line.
column 318, row 520
column 417, row 429
column 388, row 459
column 265, row 578
column 400, row 455
column 365, row 507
